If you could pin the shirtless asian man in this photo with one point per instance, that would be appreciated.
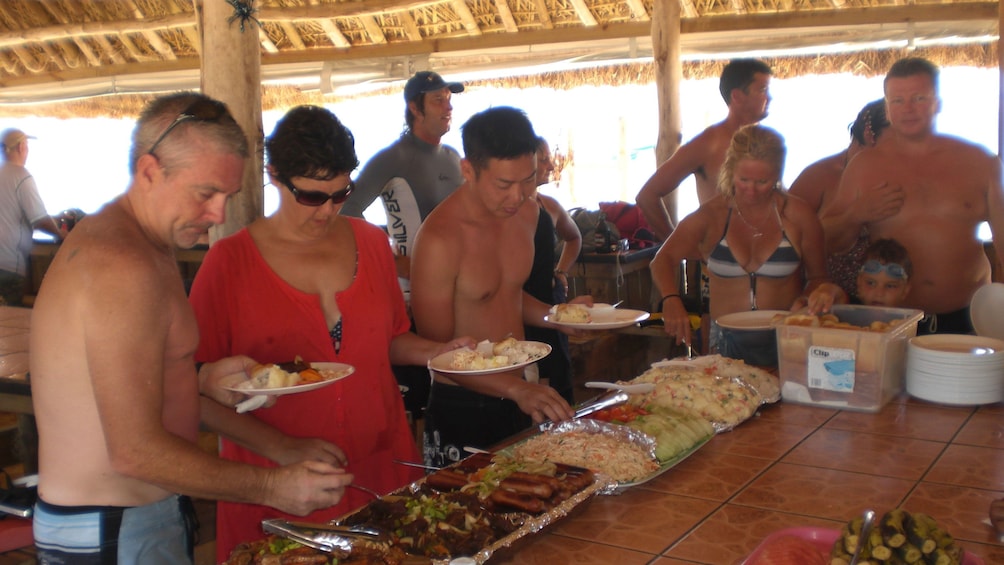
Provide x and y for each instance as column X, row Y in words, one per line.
column 744, row 86
column 949, row 187
column 114, row 385
column 472, row 256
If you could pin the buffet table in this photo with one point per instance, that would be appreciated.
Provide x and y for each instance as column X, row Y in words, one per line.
column 794, row 466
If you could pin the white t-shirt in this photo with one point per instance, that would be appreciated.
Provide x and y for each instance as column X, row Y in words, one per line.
column 20, row 206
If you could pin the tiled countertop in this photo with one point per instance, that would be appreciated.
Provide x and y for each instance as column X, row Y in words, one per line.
column 794, row 466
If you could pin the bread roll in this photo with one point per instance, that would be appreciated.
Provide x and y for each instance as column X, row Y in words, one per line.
column 572, row 314
column 271, row 376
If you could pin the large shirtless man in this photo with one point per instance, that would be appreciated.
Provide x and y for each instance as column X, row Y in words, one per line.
column 744, row 86
column 949, row 186
column 114, row 385
column 472, row 256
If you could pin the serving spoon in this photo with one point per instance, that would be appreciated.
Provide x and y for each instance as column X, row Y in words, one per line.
column 866, row 528
column 640, row 388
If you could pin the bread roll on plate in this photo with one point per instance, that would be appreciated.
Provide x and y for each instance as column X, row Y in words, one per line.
column 271, row 376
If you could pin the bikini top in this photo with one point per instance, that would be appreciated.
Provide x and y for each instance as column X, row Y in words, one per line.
column 784, row 261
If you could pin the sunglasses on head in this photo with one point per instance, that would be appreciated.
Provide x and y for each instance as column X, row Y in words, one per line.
column 893, row 270
column 318, row 198
column 202, row 110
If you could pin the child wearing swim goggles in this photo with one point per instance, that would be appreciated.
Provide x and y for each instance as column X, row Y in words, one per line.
column 884, row 278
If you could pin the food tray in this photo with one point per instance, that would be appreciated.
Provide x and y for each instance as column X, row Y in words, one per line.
column 823, row 539
column 530, row 523
column 623, row 433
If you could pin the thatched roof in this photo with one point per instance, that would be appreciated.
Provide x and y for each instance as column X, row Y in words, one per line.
column 64, row 49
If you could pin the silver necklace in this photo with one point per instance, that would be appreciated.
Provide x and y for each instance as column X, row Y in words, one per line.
column 757, row 232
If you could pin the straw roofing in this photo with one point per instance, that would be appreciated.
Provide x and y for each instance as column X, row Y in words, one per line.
column 865, row 63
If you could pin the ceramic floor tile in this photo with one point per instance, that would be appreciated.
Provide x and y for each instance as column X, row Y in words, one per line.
column 637, row 519
column 920, row 422
column 795, row 414
column 734, row 531
column 760, row 438
column 668, row 561
column 555, row 550
column 824, row 493
column 962, row 512
column 984, row 428
column 996, row 408
column 713, row 475
column 969, row 466
column 860, row 452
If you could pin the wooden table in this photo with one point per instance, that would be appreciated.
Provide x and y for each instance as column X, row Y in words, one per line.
column 794, row 466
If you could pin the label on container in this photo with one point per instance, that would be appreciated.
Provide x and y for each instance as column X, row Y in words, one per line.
column 831, row 368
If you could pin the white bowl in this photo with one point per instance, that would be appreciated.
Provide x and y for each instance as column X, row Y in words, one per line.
column 986, row 310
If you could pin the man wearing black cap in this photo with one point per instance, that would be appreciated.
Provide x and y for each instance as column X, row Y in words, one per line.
column 415, row 173
column 21, row 212
column 412, row 176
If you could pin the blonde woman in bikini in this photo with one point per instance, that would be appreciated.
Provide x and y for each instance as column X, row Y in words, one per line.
column 763, row 248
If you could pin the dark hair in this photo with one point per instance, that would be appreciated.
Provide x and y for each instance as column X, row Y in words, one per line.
column 912, row 66
column 739, row 73
column 223, row 131
column 888, row 251
column 409, row 118
column 310, row 142
column 497, row 133
column 870, row 118
column 541, row 142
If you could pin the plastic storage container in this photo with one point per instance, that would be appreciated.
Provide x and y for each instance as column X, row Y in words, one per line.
column 851, row 369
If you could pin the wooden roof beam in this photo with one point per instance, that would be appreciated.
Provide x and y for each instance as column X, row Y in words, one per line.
column 373, row 30
column 330, row 28
column 638, row 11
column 28, row 60
column 291, row 34
column 505, row 14
column 585, row 16
column 60, row 16
column 470, row 24
column 543, row 14
column 158, row 44
column 410, row 27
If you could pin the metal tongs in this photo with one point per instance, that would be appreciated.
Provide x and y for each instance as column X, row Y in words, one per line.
column 606, row 400
column 329, row 538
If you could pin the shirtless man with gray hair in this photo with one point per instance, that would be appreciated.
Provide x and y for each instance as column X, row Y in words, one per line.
column 114, row 384
column 949, row 186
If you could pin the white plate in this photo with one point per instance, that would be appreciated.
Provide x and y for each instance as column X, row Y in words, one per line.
column 444, row 361
column 342, row 369
column 956, row 346
column 606, row 320
column 752, row 320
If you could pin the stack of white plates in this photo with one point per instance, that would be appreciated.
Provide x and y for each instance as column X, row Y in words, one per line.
column 955, row 369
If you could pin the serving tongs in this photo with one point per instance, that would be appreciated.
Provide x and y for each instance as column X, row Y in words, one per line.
column 606, row 400
column 329, row 538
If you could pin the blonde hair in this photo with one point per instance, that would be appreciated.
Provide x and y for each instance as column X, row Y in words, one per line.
column 751, row 142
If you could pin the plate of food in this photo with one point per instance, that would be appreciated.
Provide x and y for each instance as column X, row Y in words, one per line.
column 291, row 378
column 490, row 357
column 597, row 317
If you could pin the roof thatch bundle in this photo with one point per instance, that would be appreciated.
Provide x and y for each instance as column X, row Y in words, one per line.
column 864, row 63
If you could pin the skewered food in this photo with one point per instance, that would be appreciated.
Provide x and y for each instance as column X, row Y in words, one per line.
column 899, row 537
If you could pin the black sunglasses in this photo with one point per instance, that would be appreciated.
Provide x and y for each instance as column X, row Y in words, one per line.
column 318, row 198
column 202, row 110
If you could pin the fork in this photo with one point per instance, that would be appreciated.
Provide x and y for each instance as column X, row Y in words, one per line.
column 368, row 491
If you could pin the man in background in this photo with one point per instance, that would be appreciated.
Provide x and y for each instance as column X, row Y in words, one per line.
column 416, row 172
column 113, row 379
column 945, row 188
column 472, row 257
column 21, row 212
column 744, row 85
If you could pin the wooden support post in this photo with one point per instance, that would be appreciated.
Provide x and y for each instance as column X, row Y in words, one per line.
column 231, row 72
column 668, row 75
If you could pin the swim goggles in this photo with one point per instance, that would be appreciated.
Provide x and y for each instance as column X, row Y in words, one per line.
column 892, row 270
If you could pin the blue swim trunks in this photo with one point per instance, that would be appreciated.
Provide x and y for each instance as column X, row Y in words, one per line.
column 161, row 533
